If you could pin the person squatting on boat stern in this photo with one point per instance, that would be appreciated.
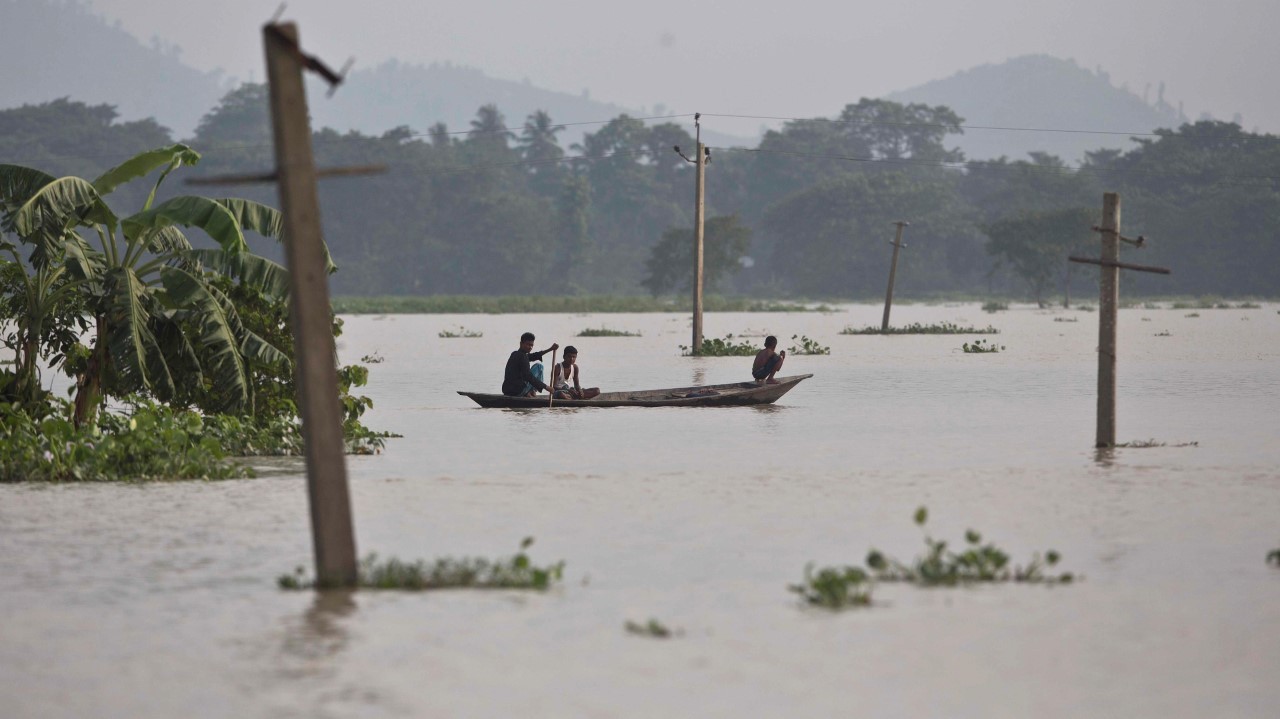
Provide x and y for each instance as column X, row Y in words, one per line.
column 768, row 362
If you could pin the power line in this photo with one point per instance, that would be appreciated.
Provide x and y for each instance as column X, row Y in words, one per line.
column 988, row 165
column 945, row 126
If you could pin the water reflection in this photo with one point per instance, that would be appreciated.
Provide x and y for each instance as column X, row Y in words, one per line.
column 1105, row 456
column 320, row 635
column 699, row 376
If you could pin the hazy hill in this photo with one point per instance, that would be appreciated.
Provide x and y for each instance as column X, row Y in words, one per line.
column 377, row 99
column 1038, row 91
column 55, row 50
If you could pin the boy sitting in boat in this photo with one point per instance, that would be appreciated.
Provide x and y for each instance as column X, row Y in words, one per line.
column 519, row 380
column 768, row 362
column 567, row 371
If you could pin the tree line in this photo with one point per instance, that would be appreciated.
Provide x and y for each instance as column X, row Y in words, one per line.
column 502, row 207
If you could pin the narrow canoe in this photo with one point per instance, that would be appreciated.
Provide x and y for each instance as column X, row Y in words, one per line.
column 713, row 395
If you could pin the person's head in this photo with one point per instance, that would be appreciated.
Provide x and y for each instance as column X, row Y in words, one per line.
column 526, row 341
column 570, row 354
column 770, row 342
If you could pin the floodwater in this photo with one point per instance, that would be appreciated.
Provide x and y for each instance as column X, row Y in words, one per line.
column 159, row 600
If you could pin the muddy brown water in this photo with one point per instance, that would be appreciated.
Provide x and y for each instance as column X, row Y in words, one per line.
column 159, row 600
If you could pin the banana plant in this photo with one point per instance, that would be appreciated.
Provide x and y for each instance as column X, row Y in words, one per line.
column 158, row 319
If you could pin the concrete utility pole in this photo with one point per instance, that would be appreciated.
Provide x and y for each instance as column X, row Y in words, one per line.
column 893, row 270
column 1108, row 302
column 699, row 207
column 700, row 160
column 332, row 532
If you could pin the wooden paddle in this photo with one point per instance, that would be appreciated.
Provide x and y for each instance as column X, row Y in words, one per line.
column 552, row 389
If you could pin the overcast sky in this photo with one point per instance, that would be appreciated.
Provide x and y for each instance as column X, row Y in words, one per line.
column 796, row 58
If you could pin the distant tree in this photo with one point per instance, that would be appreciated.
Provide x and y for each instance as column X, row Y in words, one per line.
column 489, row 129
column 439, row 134
column 538, row 143
column 242, row 117
column 1035, row 244
column 670, row 263
column 574, row 213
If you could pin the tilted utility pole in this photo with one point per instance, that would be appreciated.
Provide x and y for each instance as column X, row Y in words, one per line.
column 333, row 535
column 893, row 270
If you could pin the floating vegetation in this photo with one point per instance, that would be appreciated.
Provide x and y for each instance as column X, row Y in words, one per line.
column 1213, row 303
column 1066, row 319
column 462, row 333
column 1162, row 334
column 1193, row 314
column 834, row 587
column 915, row 328
column 994, row 306
column 515, row 304
column 1248, row 306
column 603, row 331
column 1150, row 306
column 1149, row 443
column 1273, row 557
column 980, row 347
column 808, row 346
column 653, row 629
column 374, row 358
column 516, row 572
column 722, row 348
column 1146, row 319
column 975, row 563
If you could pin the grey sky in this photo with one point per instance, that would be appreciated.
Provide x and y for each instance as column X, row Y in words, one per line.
column 798, row 58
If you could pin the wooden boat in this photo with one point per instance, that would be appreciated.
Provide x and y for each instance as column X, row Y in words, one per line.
column 713, row 395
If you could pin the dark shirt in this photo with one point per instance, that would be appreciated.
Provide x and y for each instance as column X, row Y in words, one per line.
column 518, row 374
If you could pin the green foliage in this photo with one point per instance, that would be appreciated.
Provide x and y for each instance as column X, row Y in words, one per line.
column 980, row 347
column 1035, row 244
column 915, row 328
column 606, row 332
column 974, row 563
column 808, row 346
column 652, row 629
column 726, row 347
column 834, row 587
column 670, row 263
column 516, row 572
column 462, row 332
column 153, row 442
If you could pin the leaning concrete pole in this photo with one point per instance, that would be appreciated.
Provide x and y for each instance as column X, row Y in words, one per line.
column 893, row 271
column 332, row 533
column 1108, row 301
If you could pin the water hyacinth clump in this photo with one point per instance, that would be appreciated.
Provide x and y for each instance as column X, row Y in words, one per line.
column 980, row 347
column 976, row 562
column 722, row 348
column 652, row 629
column 807, row 346
column 462, row 333
column 516, row 572
column 606, row 332
column 915, row 328
column 834, row 587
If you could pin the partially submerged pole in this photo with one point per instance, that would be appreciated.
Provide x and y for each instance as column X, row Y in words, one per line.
column 332, row 533
column 893, row 270
column 1108, row 303
column 698, row 218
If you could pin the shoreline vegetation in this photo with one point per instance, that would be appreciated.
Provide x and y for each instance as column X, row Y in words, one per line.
column 639, row 304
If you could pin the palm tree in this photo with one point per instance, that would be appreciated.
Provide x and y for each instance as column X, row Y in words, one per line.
column 538, row 144
column 148, row 290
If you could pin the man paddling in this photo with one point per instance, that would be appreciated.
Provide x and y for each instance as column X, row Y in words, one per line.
column 519, row 380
